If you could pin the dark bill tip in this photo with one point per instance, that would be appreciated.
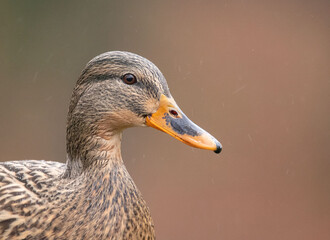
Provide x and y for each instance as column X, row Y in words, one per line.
column 219, row 148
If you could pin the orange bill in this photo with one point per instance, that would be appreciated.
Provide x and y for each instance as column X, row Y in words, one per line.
column 170, row 119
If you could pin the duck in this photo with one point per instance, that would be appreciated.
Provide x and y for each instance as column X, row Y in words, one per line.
column 92, row 195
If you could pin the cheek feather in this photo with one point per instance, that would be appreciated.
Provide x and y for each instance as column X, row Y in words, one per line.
column 117, row 121
column 151, row 105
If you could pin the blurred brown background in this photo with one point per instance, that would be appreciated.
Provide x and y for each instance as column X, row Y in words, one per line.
column 255, row 74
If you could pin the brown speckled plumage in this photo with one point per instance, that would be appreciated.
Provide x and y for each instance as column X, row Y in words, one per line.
column 92, row 196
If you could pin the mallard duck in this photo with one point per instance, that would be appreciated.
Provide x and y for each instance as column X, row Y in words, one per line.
column 92, row 196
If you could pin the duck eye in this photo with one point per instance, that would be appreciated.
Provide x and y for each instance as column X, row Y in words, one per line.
column 129, row 79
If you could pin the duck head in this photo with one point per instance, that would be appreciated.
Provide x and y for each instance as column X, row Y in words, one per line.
column 117, row 90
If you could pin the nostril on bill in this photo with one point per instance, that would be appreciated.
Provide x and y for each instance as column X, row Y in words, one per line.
column 174, row 113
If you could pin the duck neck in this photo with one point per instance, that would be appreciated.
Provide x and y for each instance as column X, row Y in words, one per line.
column 109, row 202
column 87, row 149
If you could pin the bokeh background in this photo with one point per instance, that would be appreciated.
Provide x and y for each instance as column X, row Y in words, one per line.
column 255, row 74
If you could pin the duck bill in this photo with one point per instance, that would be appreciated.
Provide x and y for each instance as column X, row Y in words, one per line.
column 170, row 119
